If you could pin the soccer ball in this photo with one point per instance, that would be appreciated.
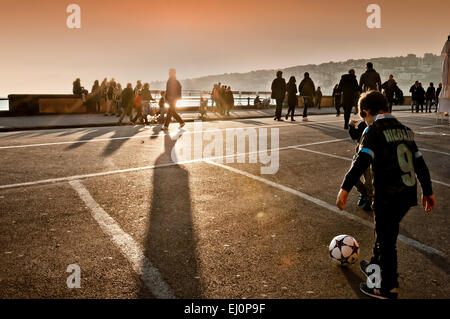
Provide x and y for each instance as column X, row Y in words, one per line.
column 344, row 250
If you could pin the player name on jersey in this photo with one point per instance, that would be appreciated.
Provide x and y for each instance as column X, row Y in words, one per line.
column 398, row 135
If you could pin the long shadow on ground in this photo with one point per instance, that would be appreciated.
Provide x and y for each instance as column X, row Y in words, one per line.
column 170, row 242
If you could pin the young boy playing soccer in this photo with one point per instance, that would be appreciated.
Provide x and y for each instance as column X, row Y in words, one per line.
column 389, row 147
column 364, row 189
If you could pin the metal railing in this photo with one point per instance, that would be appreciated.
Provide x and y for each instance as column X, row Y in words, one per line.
column 192, row 97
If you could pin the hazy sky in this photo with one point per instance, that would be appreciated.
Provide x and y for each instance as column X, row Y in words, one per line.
column 131, row 39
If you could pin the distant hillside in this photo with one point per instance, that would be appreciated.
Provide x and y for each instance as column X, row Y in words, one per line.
column 405, row 69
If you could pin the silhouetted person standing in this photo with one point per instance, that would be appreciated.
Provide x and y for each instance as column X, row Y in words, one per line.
column 278, row 93
column 370, row 80
column 96, row 95
column 318, row 98
column 229, row 100
column 348, row 86
column 438, row 92
column 291, row 88
column 420, row 98
column 162, row 108
column 413, row 91
column 307, row 91
column 173, row 93
column 127, row 103
column 430, row 97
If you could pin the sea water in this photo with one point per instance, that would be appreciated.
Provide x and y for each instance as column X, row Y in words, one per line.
column 4, row 104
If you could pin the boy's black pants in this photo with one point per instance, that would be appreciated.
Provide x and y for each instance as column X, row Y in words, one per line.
column 387, row 222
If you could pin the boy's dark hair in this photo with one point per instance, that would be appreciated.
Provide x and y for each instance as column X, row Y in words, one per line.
column 372, row 102
column 369, row 65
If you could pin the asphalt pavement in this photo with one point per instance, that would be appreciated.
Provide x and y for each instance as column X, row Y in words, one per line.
column 144, row 216
column 59, row 121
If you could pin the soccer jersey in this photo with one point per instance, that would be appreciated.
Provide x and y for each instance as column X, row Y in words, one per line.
column 389, row 147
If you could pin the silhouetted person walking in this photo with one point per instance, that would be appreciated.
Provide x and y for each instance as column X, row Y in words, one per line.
column 307, row 91
column 291, row 88
column 173, row 93
column 348, row 86
column 278, row 93
column 390, row 87
column 370, row 80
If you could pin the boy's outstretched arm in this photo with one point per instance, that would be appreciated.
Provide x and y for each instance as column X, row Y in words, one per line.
column 423, row 174
column 359, row 166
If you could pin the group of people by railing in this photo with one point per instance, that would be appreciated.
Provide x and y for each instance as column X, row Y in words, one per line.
column 134, row 100
column 120, row 102
column 138, row 100
column 222, row 97
column 281, row 89
column 347, row 92
column 420, row 97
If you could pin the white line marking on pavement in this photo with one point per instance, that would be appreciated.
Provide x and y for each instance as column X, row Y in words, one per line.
column 132, row 251
column 433, row 126
column 432, row 134
column 107, row 129
column 135, row 169
column 349, row 159
column 157, row 134
column 321, row 153
column 319, row 202
column 433, row 151
column 441, row 183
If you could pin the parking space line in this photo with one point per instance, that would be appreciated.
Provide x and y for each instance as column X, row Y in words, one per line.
column 434, row 151
column 186, row 132
column 290, row 125
column 332, row 208
column 433, row 126
column 135, row 169
column 131, row 250
column 350, row 159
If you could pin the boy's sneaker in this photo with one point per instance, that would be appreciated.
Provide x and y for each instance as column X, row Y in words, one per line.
column 363, row 266
column 378, row 293
column 361, row 200
column 367, row 206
